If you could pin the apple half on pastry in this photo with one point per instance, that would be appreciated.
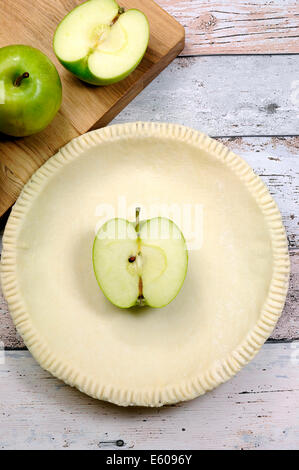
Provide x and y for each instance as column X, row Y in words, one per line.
column 140, row 264
column 100, row 42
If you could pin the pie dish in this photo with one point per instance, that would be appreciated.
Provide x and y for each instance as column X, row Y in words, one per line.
column 233, row 294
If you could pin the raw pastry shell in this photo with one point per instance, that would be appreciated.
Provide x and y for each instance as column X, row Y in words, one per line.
column 185, row 388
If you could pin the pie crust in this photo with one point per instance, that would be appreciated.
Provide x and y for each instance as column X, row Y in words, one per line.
column 231, row 299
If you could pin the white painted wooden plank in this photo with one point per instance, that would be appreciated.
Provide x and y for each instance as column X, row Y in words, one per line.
column 256, row 409
column 224, row 95
column 237, row 26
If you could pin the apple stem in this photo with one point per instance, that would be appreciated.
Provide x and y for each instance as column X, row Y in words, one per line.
column 19, row 79
column 140, row 285
column 140, row 288
column 121, row 10
column 137, row 219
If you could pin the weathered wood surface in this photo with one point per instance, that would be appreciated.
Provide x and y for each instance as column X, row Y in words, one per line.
column 276, row 161
column 224, row 96
column 237, row 26
column 258, row 408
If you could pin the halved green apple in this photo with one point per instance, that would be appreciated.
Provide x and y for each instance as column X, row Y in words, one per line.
column 140, row 264
column 101, row 43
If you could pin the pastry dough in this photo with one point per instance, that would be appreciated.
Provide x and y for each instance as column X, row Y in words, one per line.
column 231, row 299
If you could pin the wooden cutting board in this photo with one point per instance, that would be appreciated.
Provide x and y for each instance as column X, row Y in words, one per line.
column 84, row 107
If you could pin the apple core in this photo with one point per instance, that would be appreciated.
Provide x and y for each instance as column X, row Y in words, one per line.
column 140, row 264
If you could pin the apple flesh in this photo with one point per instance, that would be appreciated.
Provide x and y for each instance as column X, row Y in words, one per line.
column 100, row 43
column 31, row 90
column 140, row 264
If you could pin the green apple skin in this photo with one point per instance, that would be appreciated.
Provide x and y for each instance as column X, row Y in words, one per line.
column 30, row 107
column 81, row 70
column 80, row 67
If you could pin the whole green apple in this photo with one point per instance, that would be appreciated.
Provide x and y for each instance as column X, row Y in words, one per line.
column 100, row 42
column 31, row 90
